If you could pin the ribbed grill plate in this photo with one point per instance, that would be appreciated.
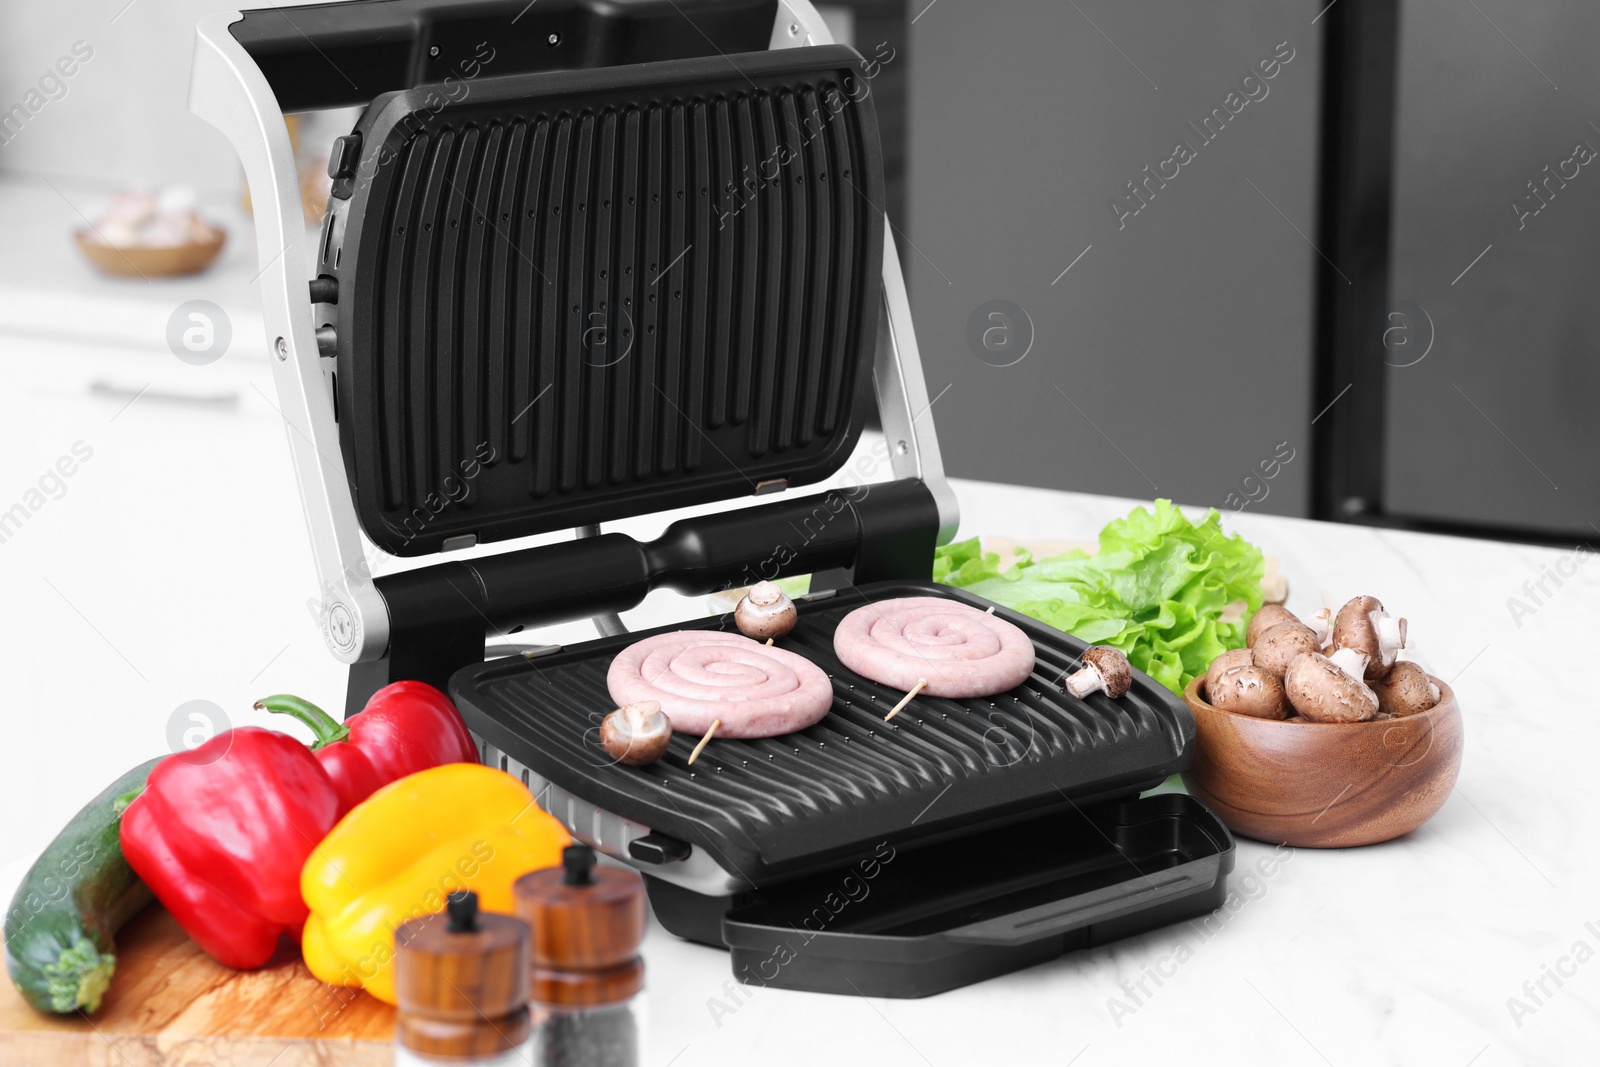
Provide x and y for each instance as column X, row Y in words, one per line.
column 582, row 295
column 772, row 807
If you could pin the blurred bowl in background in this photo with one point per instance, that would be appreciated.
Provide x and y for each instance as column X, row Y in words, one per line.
column 152, row 261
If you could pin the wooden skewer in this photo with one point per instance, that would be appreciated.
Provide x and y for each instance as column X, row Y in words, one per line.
column 704, row 741
column 921, row 684
column 769, row 641
column 990, row 611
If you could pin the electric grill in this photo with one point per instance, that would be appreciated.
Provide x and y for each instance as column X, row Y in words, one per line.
column 590, row 259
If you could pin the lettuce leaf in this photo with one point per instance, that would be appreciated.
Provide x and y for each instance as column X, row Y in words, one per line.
column 1156, row 589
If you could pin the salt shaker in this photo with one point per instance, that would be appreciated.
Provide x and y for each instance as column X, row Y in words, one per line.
column 587, row 979
column 461, row 980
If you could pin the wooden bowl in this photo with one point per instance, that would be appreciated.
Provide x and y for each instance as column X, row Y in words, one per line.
column 168, row 261
column 1324, row 785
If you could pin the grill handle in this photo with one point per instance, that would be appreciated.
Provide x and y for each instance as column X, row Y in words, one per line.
column 343, row 55
column 608, row 623
column 440, row 615
column 886, row 533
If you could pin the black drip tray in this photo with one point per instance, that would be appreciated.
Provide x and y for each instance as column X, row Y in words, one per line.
column 911, row 923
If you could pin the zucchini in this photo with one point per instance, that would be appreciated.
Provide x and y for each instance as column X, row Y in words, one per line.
column 60, row 928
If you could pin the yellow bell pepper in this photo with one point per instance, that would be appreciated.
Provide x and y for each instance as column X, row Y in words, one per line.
column 397, row 854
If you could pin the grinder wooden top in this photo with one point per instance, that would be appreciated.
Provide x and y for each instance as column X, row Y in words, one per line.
column 587, row 925
column 462, row 981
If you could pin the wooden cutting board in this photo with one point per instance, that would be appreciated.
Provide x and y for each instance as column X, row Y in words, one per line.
column 170, row 1005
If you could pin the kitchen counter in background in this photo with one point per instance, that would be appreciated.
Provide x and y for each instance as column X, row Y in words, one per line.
column 172, row 566
column 47, row 288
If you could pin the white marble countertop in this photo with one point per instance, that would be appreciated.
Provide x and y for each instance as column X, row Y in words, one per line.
column 1412, row 952
column 1444, row 947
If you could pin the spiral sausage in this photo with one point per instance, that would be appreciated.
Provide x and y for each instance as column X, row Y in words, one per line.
column 961, row 651
column 700, row 675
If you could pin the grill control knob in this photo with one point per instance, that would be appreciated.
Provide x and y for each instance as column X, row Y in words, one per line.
column 343, row 155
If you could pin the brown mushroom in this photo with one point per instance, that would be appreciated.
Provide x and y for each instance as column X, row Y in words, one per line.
column 1105, row 670
column 1238, row 657
column 1350, row 661
column 765, row 611
column 1250, row 691
column 1274, row 649
column 636, row 734
column 1363, row 625
column 1324, row 691
column 1406, row 690
column 1266, row 617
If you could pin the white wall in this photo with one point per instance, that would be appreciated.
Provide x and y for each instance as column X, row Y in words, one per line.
column 122, row 119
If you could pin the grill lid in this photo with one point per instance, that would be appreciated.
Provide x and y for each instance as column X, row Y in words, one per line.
column 575, row 296
column 771, row 808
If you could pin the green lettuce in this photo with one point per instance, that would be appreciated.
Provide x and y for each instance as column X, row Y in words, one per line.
column 1156, row 589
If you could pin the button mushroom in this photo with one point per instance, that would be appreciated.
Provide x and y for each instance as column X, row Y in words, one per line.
column 1324, row 690
column 1275, row 649
column 1350, row 661
column 1363, row 625
column 1406, row 690
column 636, row 734
column 765, row 612
column 1105, row 670
column 1266, row 617
column 1250, row 691
column 1238, row 657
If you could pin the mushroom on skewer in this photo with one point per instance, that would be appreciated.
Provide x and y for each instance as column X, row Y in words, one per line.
column 1105, row 670
column 765, row 613
column 636, row 734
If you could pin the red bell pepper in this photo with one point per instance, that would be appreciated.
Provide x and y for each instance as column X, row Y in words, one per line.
column 220, row 833
column 406, row 727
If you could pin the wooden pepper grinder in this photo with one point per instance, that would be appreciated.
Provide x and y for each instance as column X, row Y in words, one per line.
column 461, row 979
column 587, row 975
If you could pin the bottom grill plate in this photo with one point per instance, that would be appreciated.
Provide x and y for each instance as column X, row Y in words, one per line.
column 778, row 807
